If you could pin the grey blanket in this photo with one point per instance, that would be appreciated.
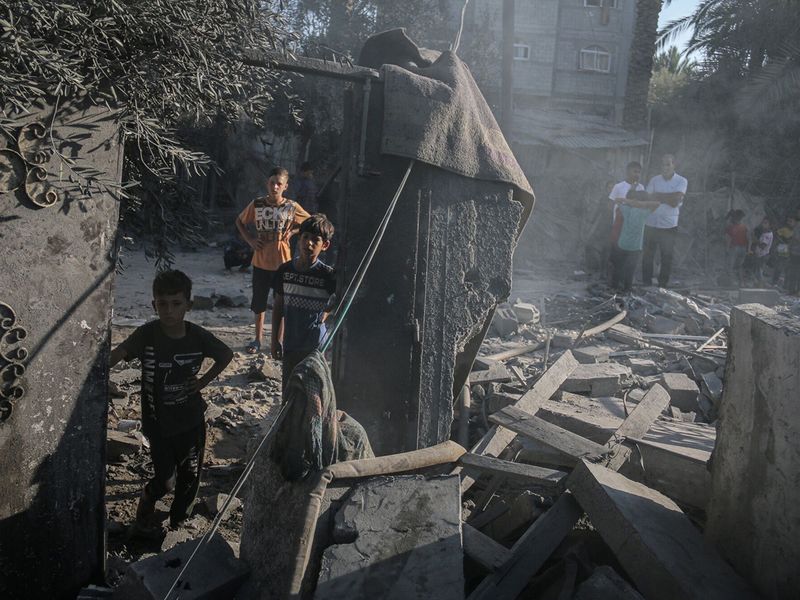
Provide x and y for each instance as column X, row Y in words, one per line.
column 436, row 114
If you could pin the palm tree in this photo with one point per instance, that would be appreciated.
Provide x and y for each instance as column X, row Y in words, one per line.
column 674, row 62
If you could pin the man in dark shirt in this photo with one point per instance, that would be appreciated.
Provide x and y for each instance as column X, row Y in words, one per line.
column 171, row 351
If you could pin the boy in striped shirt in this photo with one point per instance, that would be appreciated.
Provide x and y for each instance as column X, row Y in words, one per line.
column 304, row 289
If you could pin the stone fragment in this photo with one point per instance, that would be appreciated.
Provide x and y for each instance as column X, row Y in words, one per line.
column 623, row 333
column 215, row 503
column 119, row 444
column 128, row 425
column 664, row 325
column 767, row 297
column 656, row 544
column 592, row 354
column 711, row 386
column 601, row 379
column 498, row 372
column 526, row 312
column 203, row 300
column 407, row 533
column 213, row 412
column 642, row 366
column 563, row 339
column 215, row 573
column 504, row 322
column 682, row 390
column 754, row 513
column 175, row 537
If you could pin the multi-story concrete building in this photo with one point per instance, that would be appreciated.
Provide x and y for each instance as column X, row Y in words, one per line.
column 572, row 55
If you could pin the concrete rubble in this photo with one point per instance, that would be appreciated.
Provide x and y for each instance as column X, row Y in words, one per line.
column 589, row 476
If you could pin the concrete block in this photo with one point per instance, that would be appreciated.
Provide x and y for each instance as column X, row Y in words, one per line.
column 767, row 297
column 682, row 390
column 203, row 299
column 504, row 322
column 602, row 379
column 214, row 574
column 215, row 503
column 497, row 372
column 664, row 325
column 642, row 366
column 119, row 444
column 592, row 354
column 754, row 513
column 654, row 541
column 623, row 333
column 408, row 544
column 563, row 339
column 526, row 312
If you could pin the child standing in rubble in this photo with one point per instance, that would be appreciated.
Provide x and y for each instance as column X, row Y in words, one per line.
column 171, row 351
column 634, row 210
column 275, row 219
column 304, row 289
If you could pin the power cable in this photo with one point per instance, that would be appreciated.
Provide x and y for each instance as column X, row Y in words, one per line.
column 341, row 312
column 457, row 41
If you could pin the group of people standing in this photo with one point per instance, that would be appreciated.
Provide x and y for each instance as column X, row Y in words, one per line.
column 749, row 253
column 645, row 223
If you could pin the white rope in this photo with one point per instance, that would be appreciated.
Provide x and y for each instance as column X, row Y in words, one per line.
column 457, row 41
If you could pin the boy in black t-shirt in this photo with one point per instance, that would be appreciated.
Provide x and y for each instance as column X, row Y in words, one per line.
column 171, row 351
column 304, row 290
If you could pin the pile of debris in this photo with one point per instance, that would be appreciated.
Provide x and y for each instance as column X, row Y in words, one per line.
column 587, row 478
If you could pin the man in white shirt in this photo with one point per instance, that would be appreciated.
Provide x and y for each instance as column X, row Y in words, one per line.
column 661, row 227
column 618, row 194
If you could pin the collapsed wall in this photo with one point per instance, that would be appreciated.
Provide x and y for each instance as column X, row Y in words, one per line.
column 754, row 512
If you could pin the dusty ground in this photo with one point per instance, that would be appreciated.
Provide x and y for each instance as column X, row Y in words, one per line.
column 242, row 402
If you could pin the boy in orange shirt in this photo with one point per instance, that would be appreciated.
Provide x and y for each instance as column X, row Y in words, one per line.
column 275, row 219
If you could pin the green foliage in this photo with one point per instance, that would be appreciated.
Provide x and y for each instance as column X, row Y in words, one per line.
column 743, row 97
column 165, row 65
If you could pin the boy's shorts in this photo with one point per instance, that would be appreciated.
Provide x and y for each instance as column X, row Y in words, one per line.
column 262, row 282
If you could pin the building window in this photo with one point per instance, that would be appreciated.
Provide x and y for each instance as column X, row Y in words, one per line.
column 601, row 3
column 522, row 52
column 595, row 58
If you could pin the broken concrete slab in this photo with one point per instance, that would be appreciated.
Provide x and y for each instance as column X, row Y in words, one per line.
column 601, row 379
column 674, row 454
column 498, row 438
column 120, row 444
column 175, row 537
column 563, row 339
column 504, row 322
column 624, row 334
column 214, row 574
column 682, row 390
column 526, row 312
column 754, row 513
column 496, row 373
column 642, row 366
column 592, row 354
column 408, row 545
column 655, row 542
column 766, row 296
column 572, row 447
